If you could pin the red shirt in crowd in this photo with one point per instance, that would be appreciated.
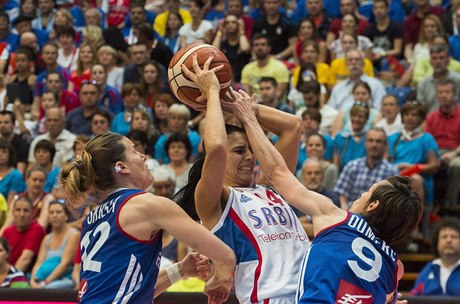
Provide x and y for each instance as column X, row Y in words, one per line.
column 445, row 128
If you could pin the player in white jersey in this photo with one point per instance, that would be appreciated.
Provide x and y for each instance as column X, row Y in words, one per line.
column 261, row 228
column 121, row 239
column 351, row 257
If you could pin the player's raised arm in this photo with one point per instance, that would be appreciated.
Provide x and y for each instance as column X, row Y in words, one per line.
column 273, row 166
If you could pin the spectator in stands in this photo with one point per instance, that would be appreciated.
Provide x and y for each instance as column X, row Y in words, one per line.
column 361, row 93
column 8, row 40
column 67, row 99
column 141, row 141
column 45, row 17
column 24, row 236
column 164, row 182
column 441, row 276
column 412, row 147
column 315, row 12
column 444, row 125
column 179, row 151
column 278, row 27
column 23, row 24
column 312, row 176
column 264, row 65
column 311, row 97
column 423, row 67
column 178, row 116
column 350, row 27
column 363, row 172
column 107, row 56
column 9, row 275
column 160, row 109
column 53, row 267
column 137, row 17
column 159, row 51
column 61, row 138
column 412, row 23
column 350, row 145
column 268, row 88
column 307, row 32
column 28, row 8
column 339, row 69
column 142, row 121
column 100, row 122
column 79, row 119
column 235, row 7
column 93, row 35
column 171, row 37
column 85, row 60
column 132, row 95
column 68, row 51
column 346, row 7
column 109, row 97
column 231, row 39
column 152, row 82
column 171, row 6
column 35, row 181
column 390, row 120
column 29, row 41
column 139, row 57
column 318, row 147
column 20, row 145
column 426, row 89
column 12, row 181
column 386, row 35
column 341, row 95
column 449, row 18
column 454, row 39
column 44, row 154
column 198, row 28
column 49, row 54
column 311, row 124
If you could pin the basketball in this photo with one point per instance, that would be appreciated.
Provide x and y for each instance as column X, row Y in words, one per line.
column 184, row 88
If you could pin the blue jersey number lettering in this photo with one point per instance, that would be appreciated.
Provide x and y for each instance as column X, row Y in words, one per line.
column 87, row 257
column 375, row 263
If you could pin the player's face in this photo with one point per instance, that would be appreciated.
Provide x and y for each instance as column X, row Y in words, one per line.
column 240, row 161
column 136, row 165
column 449, row 243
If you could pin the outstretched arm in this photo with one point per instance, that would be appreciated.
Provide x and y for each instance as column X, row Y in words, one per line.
column 209, row 189
column 276, row 171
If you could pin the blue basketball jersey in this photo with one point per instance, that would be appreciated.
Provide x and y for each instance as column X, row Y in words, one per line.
column 115, row 267
column 347, row 263
column 269, row 243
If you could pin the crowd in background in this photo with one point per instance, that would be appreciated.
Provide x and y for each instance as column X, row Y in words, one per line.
column 376, row 84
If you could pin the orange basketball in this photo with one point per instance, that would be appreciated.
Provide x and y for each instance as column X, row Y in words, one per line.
column 184, row 88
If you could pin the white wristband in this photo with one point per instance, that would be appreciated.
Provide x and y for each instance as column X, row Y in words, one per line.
column 173, row 273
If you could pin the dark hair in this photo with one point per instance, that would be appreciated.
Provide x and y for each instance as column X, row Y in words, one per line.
column 413, row 106
column 382, row 1
column 138, row 135
column 198, row 3
column 446, row 222
column 313, row 113
column 25, row 51
column 103, row 113
column 311, row 75
column 360, row 107
column 354, row 18
column 95, row 169
column 179, row 16
column 179, row 137
column 269, row 79
column 311, row 86
column 314, row 35
column 50, row 43
column 65, row 30
column 114, row 38
column 399, row 210
column 446, row 81
column 24, row 199
column 320, row 136
column 3, row 14
column 146, row 31
column 5, row 245
column 54, row 73
column 10, row 114
column 258, row 36
column 185, row 197
column 6, row 145
column 48, row 146
column 158, row 84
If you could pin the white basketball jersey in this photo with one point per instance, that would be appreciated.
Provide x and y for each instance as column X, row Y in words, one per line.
column 269, row 243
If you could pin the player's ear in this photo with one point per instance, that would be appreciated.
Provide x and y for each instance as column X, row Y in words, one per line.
column 372, row 206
